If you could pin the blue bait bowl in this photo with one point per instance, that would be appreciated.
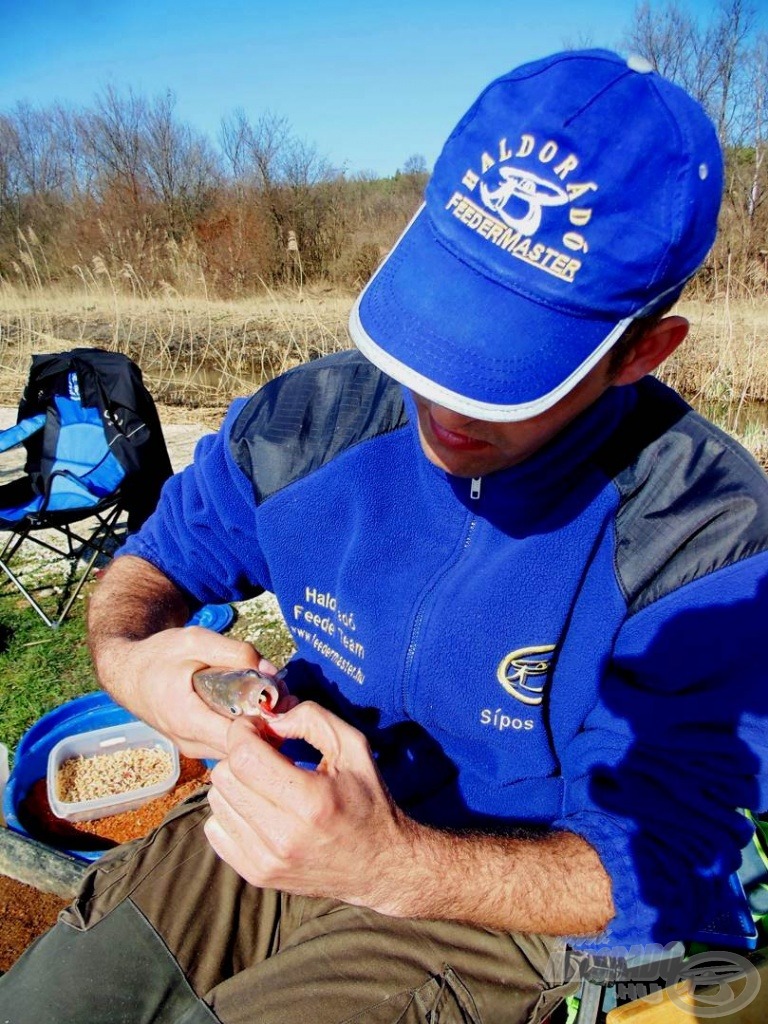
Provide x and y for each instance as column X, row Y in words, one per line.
column 93, row 711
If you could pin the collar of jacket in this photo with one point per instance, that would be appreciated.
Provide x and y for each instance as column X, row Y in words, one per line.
column 551, row 477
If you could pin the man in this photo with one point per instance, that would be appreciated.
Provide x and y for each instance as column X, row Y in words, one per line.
column 529, row 661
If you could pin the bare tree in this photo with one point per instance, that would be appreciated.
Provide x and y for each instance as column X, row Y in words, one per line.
column 77, row 173
column 759, row 90
column 9, row 191
column 255, row 151
column 233, row 139
column 416, row 164
column 664, row 37
column 180, row 167
column 35, row 151
column 725, row 66
column 708, row 60
column 729, row 43
column 311, row 204
column 113, row 136
column 8, row 167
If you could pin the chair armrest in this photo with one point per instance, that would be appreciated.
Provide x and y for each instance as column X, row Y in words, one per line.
column 81, row 481
column 14, row 436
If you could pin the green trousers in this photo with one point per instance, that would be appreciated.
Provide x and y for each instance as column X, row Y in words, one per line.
column 163, row 931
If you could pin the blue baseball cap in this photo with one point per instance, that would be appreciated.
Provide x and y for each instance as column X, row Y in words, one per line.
column 578, row 193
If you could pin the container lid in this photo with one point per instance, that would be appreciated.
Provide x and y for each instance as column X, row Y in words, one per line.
column 217, row 617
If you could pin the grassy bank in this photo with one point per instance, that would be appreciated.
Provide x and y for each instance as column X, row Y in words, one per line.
column 723, row 367
column 39, row 668
column 193, row 351
column 42, row 668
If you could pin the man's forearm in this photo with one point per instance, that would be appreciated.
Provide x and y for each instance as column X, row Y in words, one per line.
column 337, row 832
column 133, row 600
column 552, row 885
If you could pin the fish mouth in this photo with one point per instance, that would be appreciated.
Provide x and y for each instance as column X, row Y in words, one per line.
column 235, row 692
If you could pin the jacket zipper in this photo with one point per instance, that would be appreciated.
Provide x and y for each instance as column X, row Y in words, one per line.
column 417, row 623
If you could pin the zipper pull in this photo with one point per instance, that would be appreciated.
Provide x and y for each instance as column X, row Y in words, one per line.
column 475, row 490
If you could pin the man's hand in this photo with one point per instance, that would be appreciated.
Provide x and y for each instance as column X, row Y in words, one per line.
column 153, row 678
column 330, row 832
column 145, row 659
column 336, row 832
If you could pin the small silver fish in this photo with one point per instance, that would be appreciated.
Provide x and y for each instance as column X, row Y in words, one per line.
column 235, row 692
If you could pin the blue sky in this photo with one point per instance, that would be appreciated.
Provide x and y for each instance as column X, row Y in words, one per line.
column 369, row 83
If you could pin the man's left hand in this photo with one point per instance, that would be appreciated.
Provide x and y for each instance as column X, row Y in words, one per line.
column 330, row 832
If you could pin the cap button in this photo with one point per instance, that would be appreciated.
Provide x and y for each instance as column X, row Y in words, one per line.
column 639, row 64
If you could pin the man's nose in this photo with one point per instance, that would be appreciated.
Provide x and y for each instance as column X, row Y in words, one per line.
column 448, row 419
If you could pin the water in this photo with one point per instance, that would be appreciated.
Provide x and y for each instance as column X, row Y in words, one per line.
column 744, row 417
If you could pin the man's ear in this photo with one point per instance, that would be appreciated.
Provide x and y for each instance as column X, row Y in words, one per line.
column 651, row 349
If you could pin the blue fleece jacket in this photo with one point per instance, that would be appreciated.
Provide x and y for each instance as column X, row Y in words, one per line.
column 575, row 647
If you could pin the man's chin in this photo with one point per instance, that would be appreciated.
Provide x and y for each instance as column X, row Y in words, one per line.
column 468, row 464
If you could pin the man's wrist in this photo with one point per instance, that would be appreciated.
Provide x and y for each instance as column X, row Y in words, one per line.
column 111, row 656
column 407, row 871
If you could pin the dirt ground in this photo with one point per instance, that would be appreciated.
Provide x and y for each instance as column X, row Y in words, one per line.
column 25, row 914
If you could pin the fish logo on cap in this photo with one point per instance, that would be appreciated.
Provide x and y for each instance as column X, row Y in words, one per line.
column 527, row 188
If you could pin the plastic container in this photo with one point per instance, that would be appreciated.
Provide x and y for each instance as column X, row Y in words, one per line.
column 218, row 617
column 91, row 711
column 81, row 714
column 130, row 736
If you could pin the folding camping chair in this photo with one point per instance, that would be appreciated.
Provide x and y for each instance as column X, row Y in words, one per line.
column 95, row 449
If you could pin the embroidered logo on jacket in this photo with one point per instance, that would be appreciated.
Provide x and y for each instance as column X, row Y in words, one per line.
column 523, row 673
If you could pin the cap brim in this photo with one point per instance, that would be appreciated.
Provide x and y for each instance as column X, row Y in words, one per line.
column 450, row 334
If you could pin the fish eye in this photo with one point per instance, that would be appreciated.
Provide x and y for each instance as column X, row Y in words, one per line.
column 234, row 709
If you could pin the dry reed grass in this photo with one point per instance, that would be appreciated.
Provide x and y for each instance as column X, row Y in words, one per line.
column 198, row 353
column 193, row 351
column 722, row 368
